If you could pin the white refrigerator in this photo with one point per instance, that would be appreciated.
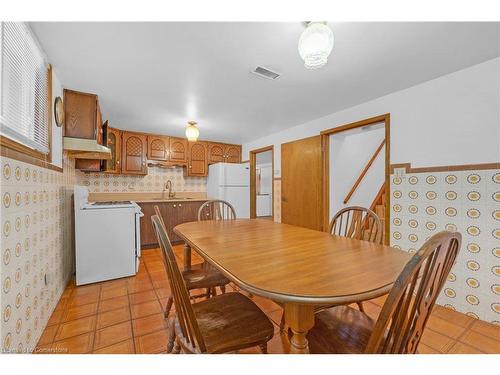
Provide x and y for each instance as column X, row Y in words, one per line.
column 230, row 182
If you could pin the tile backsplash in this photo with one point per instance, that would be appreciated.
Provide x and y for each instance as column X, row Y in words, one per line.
column 467, row 201
column 36, row 248
column 155, row 180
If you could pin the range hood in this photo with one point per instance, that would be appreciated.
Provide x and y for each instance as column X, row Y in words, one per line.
column 166, row 164
column 80, row 148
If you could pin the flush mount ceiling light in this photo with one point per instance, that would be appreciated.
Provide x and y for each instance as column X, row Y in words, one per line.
column 315, row 44
column 192, row 132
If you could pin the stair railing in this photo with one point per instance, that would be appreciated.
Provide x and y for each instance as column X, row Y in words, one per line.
column 363, row 173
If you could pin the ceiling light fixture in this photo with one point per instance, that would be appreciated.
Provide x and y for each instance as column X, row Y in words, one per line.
column 192, row 132
column 315, row 44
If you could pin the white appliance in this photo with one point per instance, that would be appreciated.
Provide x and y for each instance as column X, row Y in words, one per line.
column 230, row 182
column 107, row 238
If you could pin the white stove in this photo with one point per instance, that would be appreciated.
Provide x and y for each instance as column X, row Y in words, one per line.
column 107, row 238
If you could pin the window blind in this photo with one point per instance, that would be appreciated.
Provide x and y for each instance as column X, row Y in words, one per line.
column 24, row 87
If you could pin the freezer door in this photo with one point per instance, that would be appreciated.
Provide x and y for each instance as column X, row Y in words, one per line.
column 236, row 175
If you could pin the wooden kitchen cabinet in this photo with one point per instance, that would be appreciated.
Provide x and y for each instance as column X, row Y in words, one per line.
column 83, row 120
column 232, row 153
column 158, row 147
column 114, row 142
column 223, row 153
column 174, row 213
column 215, row 153
column 198, row 159
column 80, row 113
column 134, row 149
column 178, row 150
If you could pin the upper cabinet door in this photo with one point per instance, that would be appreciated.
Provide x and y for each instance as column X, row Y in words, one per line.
column 178, row 150
column 98, row 124
column 114, row 142
column 80, row 111
column 158, row 147
column 198, row 161
column 134, row 146
column 215, row 153
column 232, row 153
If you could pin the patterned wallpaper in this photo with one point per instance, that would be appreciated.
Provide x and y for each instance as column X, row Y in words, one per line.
column 36, row 248
column 464, row 201
column 155, row 180
column 277, row 200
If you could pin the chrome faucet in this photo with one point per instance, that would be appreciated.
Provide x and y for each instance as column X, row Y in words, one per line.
column 168, row 186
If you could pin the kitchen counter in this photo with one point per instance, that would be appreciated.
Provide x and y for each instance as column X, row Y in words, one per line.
column 148, row 197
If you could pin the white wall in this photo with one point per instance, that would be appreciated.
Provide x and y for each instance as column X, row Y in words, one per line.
column 57, row 90
column 349, row 153
column 451, row 120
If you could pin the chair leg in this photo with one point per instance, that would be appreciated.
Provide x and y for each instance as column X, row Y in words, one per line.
column 170, row 301
column 171, row 336
column 282, row 323
column 223, row 289
column 214, row 292
column 177, row 347
column 209, row 291
column 263, row 348
column 360, row 305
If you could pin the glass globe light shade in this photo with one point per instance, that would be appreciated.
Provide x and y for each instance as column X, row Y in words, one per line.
column 192, row 132
column 315, row 45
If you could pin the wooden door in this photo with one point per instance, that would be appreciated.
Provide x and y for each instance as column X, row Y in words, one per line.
column 301, row 181
column 114, row 143
column 80, row 111
column 158, row 147
column 178, row 150
column 232, row 153
column 198, row 163
column 134, row 153
column 215, row 153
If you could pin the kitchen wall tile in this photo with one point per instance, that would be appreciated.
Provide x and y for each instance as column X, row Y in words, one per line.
column 36, row 248
column 155, row 180
column 464, row 201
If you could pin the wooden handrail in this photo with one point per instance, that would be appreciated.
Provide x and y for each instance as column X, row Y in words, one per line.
column 362, row 175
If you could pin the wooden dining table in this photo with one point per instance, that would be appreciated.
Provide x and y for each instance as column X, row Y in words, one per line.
column 302, row 269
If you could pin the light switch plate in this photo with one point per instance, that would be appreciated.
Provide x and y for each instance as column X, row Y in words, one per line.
column 400, row 172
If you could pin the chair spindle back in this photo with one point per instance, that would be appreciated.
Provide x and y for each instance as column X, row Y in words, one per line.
column 404, row 315
column 184, row 311
column 216, row 210
column 357, row 222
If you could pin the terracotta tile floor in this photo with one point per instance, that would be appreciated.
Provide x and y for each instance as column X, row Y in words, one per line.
column 125, row 316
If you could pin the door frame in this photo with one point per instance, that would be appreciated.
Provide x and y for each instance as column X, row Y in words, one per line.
column 253, row 187
column 325, row 145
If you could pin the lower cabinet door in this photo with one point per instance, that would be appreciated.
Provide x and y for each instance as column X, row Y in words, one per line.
column 173, row 213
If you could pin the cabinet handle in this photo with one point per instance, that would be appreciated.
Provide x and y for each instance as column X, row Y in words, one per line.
column 190, row 166
column 118, row 162
column 180, row 205
column 174, row 205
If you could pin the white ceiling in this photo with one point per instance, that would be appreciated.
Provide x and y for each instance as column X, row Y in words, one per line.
column 155, row 77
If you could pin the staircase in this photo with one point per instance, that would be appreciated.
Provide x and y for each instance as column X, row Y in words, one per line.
column 378, row 206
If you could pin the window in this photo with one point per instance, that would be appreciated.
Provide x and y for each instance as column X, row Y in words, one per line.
column 24, row 82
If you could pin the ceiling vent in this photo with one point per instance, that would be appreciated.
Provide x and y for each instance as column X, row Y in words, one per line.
column 265, row 73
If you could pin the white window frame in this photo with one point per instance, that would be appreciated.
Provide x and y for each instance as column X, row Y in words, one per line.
column 27, row 130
